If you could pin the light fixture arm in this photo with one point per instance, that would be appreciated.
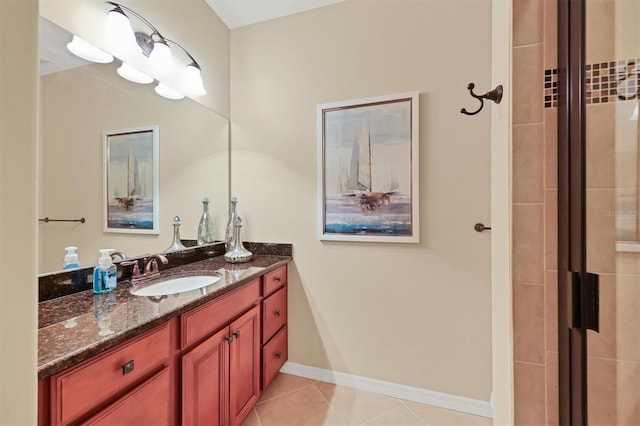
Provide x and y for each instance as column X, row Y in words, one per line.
column 193, row 61
column 137, row 15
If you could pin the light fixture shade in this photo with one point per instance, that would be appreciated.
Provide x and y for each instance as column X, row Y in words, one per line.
column 167, row 92
column 130, row 73
column 160, row 56
column 634, row 114
column 120, row 28
column 85, row 50
column 193, row 81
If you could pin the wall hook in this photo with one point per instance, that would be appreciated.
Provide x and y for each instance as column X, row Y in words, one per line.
column 495, row 95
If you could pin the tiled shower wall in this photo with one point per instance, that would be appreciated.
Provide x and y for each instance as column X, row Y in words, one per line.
column 534, row 212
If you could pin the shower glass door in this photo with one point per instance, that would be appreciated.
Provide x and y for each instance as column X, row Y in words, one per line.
column 612, row 169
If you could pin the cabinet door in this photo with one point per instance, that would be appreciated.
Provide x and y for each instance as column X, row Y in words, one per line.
column 205, row 381
column 148, row 404
column 244, row 365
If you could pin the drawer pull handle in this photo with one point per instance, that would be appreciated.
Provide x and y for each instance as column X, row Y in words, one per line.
column 278, row 313
column 278, row 355
column 128, row 367
column 237, row 334
column 229, row 339
column 277, row 279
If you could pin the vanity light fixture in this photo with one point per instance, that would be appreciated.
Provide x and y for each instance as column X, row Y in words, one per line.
column 87, row 51
column 167, row 92
column 156, row 48
column 133, row 74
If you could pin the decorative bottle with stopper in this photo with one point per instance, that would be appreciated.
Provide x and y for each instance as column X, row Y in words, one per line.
column 205, row 228
column 228, row 237
column 237, row 254
column 177, row 243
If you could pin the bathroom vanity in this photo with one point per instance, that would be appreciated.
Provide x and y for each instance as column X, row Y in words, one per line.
column 203, row 356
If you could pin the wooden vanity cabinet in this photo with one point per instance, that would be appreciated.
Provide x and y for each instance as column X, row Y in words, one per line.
column 134, row 372
column 221, row 375
column 274, row 324
column 207, row 366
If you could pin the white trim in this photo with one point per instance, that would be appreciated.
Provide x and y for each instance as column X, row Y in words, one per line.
column 395, row 390
column 501, row 289
column 628, row 246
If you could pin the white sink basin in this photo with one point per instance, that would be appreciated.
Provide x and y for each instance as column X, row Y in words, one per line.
column 175, row 285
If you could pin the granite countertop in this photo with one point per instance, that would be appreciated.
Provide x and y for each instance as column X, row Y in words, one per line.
column 78, row 326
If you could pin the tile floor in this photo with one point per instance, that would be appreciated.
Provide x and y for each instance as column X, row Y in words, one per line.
column 297, row 401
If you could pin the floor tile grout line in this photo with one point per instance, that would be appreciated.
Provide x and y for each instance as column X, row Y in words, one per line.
column 257, row 417
column 413, row 412
column 285, row 394
column 329, row 403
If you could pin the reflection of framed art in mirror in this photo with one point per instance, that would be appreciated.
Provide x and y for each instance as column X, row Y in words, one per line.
column 131, row 180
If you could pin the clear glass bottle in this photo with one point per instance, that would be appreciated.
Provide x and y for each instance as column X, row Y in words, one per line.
column 176, row 244
column 228, row 237
column 237, row 254
column 205, row 228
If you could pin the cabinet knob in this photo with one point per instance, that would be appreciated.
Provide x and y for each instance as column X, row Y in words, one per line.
column 277, row 279
column 229, row 339
column 278, row 313
column 278, row 355
column 237, row 334
column 128, row 367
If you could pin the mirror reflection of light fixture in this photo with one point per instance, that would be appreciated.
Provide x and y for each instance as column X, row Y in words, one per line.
column 133, row 74
column 634, row 114
column 167, row 92
column 87, row 51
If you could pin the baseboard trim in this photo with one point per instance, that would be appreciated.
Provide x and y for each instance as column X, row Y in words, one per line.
column 409, row 393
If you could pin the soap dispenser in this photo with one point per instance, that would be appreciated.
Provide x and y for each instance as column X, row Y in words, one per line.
column 71, row 258
column 105, row 275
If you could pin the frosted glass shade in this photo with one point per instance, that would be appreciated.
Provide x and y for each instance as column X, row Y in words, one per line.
column 85, row 50
column 160, row 56
column 130, row 73
column 120, row 29
column 167, row 92
column 193, row 80
column 634, row 114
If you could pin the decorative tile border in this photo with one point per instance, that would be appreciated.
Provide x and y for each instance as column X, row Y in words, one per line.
column 606, row 82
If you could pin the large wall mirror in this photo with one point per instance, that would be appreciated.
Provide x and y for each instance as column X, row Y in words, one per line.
column 80, row 104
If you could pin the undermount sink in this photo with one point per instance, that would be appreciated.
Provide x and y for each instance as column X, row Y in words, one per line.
column 175, row 285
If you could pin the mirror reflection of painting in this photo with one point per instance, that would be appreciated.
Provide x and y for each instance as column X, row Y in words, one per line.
column 131, row 180
column 368, row 169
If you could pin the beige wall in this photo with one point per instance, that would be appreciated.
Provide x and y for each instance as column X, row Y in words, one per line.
column 77, row 107
column 205, row 36
column 418, row 315
column 18, row 293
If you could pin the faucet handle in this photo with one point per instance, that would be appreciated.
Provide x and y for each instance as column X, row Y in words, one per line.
column 136, row 267
column 151, row 265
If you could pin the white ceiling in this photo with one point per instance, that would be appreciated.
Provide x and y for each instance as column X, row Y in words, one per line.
column 238, row 13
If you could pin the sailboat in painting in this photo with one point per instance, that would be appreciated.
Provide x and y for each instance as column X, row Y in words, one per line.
column 133, row 183
column 363, row 180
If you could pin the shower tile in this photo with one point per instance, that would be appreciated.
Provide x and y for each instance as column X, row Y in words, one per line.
column 552, row 395
column 600, row 136
column 550, row 229
column 603, row 391
column 550, row 148
column 529, row 394
column 528, row 243
column 528, row 153
column 600, row 39
column 628, row 318
column 551, row 310
column 528, row 321
column 628, row 263
column 550, row 33
column 601, row 238
column 527, row 22
column 528, row 84
column 628, row 389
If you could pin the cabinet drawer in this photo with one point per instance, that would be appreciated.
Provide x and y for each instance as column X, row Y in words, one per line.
column 200, row 322
column 274, row 355
column 274, row 280
column 274, row 313
column 148, row 404
column 81, row 388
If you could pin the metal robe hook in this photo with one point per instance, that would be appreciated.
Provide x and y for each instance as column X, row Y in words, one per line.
column 495, row 95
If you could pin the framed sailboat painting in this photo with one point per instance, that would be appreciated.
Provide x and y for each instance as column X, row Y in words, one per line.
column 131, row 180
column 368, row 169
